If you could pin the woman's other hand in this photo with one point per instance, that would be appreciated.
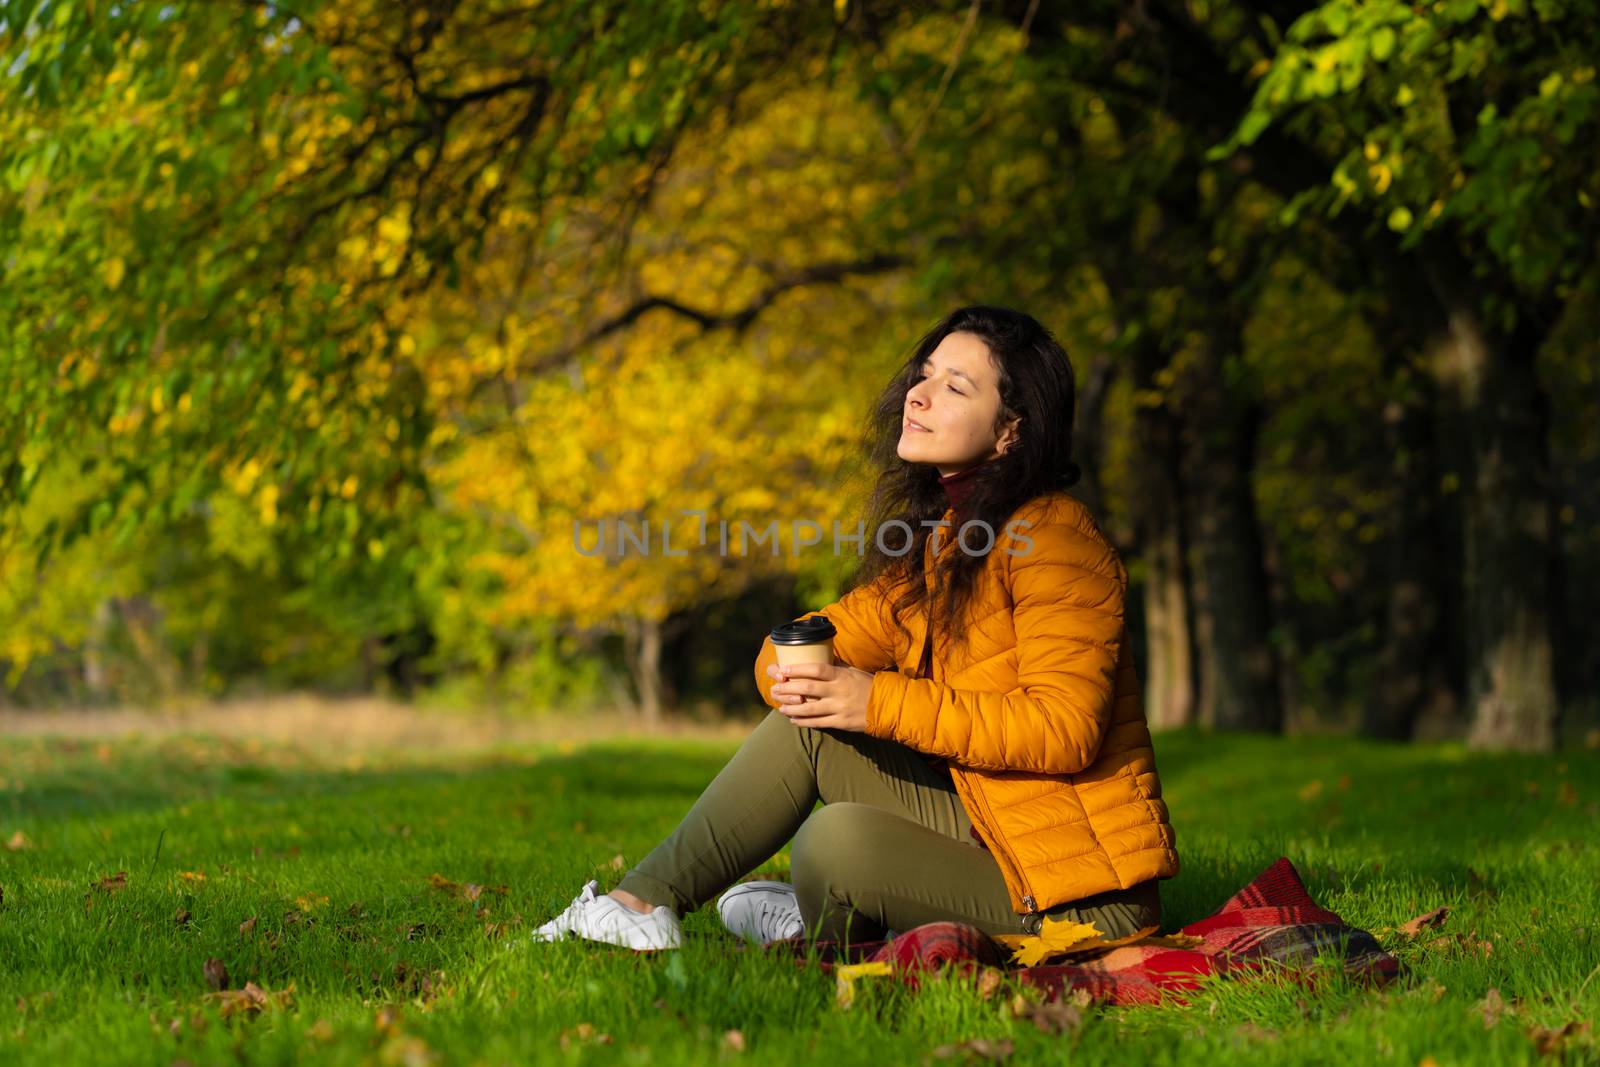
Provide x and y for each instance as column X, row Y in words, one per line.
column 822, row 695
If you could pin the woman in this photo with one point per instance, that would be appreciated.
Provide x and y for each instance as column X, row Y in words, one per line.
column 979, row 744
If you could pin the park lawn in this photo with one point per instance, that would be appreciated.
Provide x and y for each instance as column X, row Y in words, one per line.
column 332, row 858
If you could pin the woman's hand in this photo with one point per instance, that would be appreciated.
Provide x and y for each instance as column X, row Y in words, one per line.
column 838, row 695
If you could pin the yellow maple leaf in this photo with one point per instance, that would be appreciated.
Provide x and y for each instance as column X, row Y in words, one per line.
column 844, row 988
column 1175, row 940
column 1037, row 951
column 1056, row 937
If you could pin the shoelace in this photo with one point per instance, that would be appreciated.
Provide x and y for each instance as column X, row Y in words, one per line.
column 776, row 920
column 564, row 920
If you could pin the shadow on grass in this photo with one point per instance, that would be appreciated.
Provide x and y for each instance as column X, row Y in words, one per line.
column 152, row 781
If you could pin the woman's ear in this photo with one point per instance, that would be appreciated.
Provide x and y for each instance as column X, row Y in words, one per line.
column 1008, row 437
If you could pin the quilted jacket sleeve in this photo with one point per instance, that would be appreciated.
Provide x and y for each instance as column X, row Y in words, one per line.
column 865, row 638
column 1067, row 595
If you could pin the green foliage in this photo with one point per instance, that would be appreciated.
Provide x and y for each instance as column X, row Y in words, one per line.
column 314, row 319
column 1460, row 116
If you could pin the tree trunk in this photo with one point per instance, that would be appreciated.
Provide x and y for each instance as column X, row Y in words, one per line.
column 1157, row 504
column 1416, row 674
column 371, row 664
column 1509, row 532
column 1237, row 666
column 1089, row 433
column 142, row 622
column 96, row 672
column 642, row 645
column 199, row 660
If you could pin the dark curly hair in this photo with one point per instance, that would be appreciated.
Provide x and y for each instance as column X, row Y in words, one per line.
column 1036, row 383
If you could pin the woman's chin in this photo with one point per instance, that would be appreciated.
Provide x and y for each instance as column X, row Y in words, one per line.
column 914, row 450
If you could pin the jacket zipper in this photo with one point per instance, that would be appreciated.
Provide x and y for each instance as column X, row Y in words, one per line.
column 1002, row 854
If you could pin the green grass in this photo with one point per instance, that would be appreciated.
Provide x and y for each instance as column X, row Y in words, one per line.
column 332, row 858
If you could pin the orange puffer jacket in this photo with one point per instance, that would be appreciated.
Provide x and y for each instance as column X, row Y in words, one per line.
column 1039, row 713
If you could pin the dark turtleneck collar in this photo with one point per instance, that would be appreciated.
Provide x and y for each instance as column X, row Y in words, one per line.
column 957, row 485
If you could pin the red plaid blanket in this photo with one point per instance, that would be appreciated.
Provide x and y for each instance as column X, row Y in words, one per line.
column 1271, row 925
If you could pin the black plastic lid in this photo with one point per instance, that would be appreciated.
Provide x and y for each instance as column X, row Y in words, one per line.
column 810, row 631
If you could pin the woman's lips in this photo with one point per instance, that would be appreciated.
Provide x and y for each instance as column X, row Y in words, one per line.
column 913, row 427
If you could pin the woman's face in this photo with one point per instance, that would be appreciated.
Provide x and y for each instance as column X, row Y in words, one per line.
column 950, row 411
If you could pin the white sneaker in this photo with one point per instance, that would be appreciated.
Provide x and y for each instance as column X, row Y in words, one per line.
column 596, row 917
column 762, row 911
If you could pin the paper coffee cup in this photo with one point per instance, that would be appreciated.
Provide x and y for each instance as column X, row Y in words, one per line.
column 807, row 641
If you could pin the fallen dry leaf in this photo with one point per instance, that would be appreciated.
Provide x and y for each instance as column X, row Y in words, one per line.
column 1255, row 1032
column 1142, row 936
column 584, row 1033
column 1056, row 937
column 216, row 974
column 192, row 876
column 1550, row 1042
column 1468, row 942
column 18, row 842
column 387, row 1021
column 248, row 927
column 1492, row 1007
column 36, row 1002
column 1435, row 990
column 320, row 1031
column 615, row 863
column 424, row 985
column 733, row 1041
column 1097, row 944
column 980, row 1048
column 407, row 1050
column 989, row 979
column 1054, row 1017
column 250, row 1000
column 1174, row 940
column 468, row 891
column 181, row 917
column 1413, row 927
column 111, row 882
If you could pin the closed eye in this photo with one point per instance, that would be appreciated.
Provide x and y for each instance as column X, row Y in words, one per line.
column 953, row 389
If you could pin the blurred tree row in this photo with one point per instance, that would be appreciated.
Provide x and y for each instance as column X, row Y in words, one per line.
column 345, row 343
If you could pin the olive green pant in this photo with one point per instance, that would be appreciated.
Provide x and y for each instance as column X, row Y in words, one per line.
column 890, row 849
